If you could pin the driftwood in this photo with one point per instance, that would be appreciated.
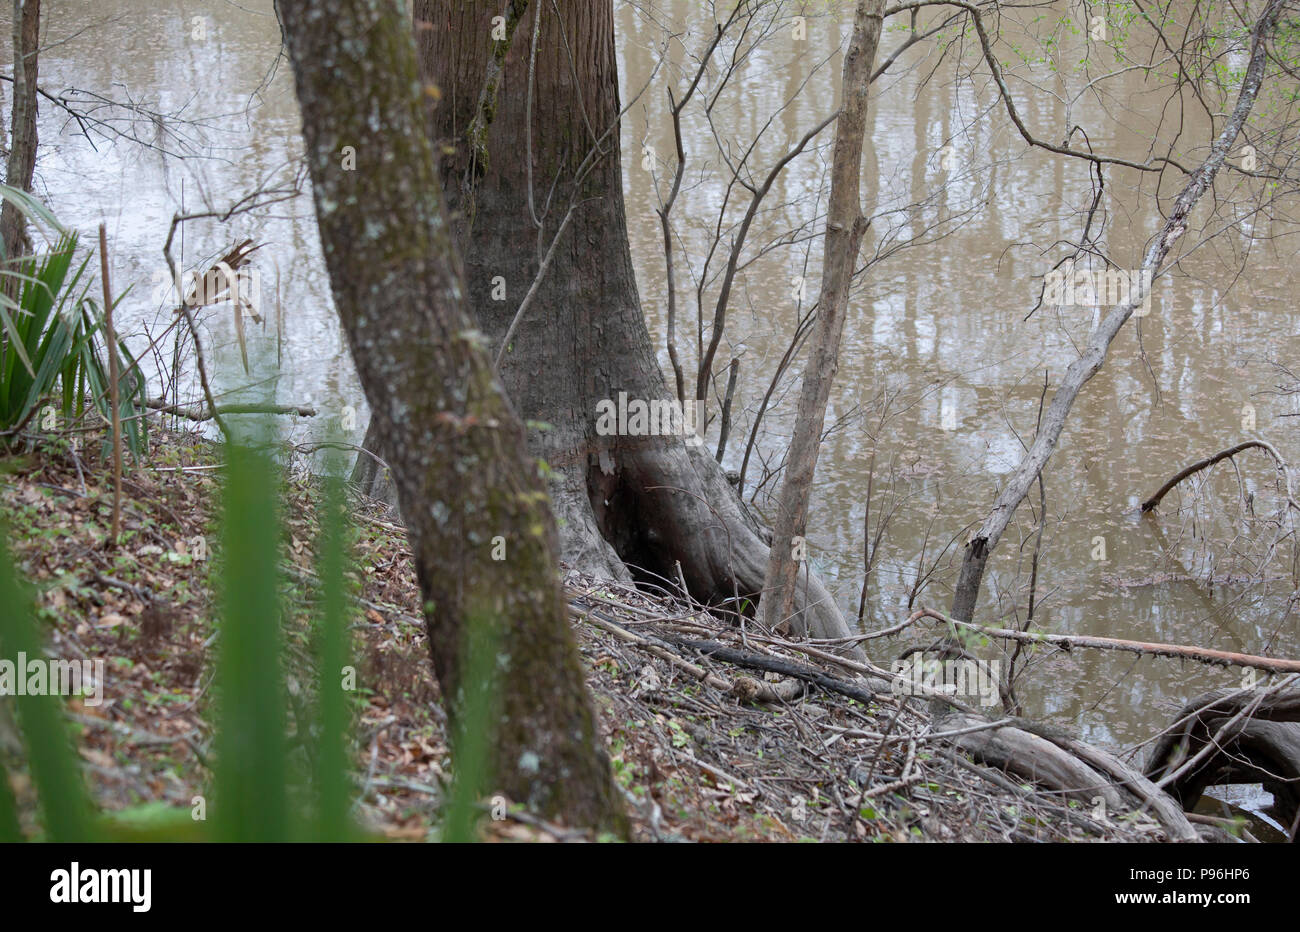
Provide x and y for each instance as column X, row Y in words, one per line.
column 754, row 661
column 1209, row 461
column 1030, row 752
column 1223, row 737
column 1234, row 736
column 1034, row 753
column 744, row 688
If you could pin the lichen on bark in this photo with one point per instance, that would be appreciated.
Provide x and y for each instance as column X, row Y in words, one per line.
column 457, row 451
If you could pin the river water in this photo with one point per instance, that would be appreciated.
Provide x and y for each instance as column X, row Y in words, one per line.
column 939, row 328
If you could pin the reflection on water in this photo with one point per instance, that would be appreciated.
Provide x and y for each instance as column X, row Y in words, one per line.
column 938, row 329
column 1248, row 802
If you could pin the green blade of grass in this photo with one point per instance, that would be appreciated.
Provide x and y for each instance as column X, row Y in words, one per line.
column 31, row 208
column 15, row 334
column 471, row 742
column 56, row 773
column 251, row 768
column 9, row 829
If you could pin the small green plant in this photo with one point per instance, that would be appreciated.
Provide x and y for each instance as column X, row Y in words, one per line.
column 257, row 791
column 54, row 769
column 471, row 739
column 51, row 337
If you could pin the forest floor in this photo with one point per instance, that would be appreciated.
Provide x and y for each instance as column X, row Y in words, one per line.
column 791, row 762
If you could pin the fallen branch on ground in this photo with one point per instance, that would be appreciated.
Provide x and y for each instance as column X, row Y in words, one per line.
column 205, row 414
column 744, row 688
column 753, row 661
column 1221, row 658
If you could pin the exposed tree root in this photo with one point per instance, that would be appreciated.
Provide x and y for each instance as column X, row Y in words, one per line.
column 1234, row 736
column 1032, row 758
column 636, row 513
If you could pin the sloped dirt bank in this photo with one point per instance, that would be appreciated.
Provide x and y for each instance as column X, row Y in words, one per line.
column 715, row 733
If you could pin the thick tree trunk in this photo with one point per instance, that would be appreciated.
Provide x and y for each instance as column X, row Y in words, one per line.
column 22, row 153
column 459, row 460
column 516, row 165
column 845, row 227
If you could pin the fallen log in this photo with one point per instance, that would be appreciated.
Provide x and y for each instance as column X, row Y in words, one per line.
column 744, row 688
column 1033, row 759
column 205, row 414
column 753, row 661
column 1233, row 736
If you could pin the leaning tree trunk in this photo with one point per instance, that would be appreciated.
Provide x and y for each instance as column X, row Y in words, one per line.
column 845, row 227
column 22, row 152
column 981, row 543
column 522, row 165
column 469, row 491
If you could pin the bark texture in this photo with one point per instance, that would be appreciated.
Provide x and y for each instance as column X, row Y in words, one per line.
column 520, row 165
column 845, row 227
column 22, row 151
column 463, row 476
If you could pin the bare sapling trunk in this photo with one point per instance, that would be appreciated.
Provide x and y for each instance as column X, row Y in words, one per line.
column 476, row 510
column 22, row 153
column 845, row 227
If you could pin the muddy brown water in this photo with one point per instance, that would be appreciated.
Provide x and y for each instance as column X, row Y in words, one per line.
column 941, row 327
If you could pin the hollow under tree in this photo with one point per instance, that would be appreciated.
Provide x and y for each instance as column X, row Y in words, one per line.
column 527, row 124
column 464, row 478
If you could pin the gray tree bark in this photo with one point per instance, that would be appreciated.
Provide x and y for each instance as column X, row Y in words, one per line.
column 464, row 478
column 528, row 138
column 21, row 166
